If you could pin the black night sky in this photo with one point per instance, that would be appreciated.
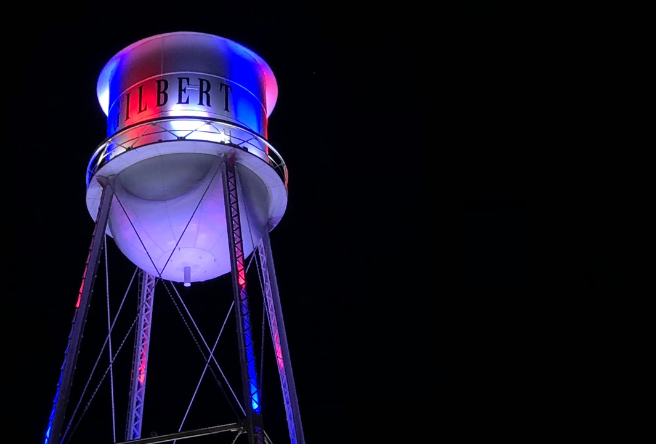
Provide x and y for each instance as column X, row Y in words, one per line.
column 446, row 197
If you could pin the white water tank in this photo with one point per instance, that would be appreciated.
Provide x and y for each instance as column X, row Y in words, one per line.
column 178, row 105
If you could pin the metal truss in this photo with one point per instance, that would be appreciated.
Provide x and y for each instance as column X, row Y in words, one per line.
column 279, row 337
column 242, row 312
column 140, row 359
column 56, row 420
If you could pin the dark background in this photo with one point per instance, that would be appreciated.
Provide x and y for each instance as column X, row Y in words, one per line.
column 451, row 206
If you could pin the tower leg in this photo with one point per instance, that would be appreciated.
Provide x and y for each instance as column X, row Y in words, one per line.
column 140, row 359
column 56, row 421
column 279, row 336
column 242, row 312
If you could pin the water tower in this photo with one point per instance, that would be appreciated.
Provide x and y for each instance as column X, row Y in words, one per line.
column 188, row 187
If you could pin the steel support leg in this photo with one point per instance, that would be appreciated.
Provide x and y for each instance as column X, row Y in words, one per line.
column 140, row 359
column 279, row 336
column 242, row 312
column 56, row 421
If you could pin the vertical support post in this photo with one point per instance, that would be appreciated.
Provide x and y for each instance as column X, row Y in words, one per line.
column 242, row 312
column 279, row 337
column 56, row 421
column 140, row 359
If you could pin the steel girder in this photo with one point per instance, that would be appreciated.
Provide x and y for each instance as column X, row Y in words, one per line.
column 279, row 337
column 242, row 312
column 57, row 416
column 140, row 359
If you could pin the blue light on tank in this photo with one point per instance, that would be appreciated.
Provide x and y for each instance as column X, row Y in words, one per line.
column 248, row 111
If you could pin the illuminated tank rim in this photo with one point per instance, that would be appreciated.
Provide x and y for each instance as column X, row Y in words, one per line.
column 102, row 87
column 276, row 187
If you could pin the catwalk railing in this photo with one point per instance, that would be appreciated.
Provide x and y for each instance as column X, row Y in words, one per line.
column 175, row 129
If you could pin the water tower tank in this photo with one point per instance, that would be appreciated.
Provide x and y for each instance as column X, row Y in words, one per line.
column 176, row 105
